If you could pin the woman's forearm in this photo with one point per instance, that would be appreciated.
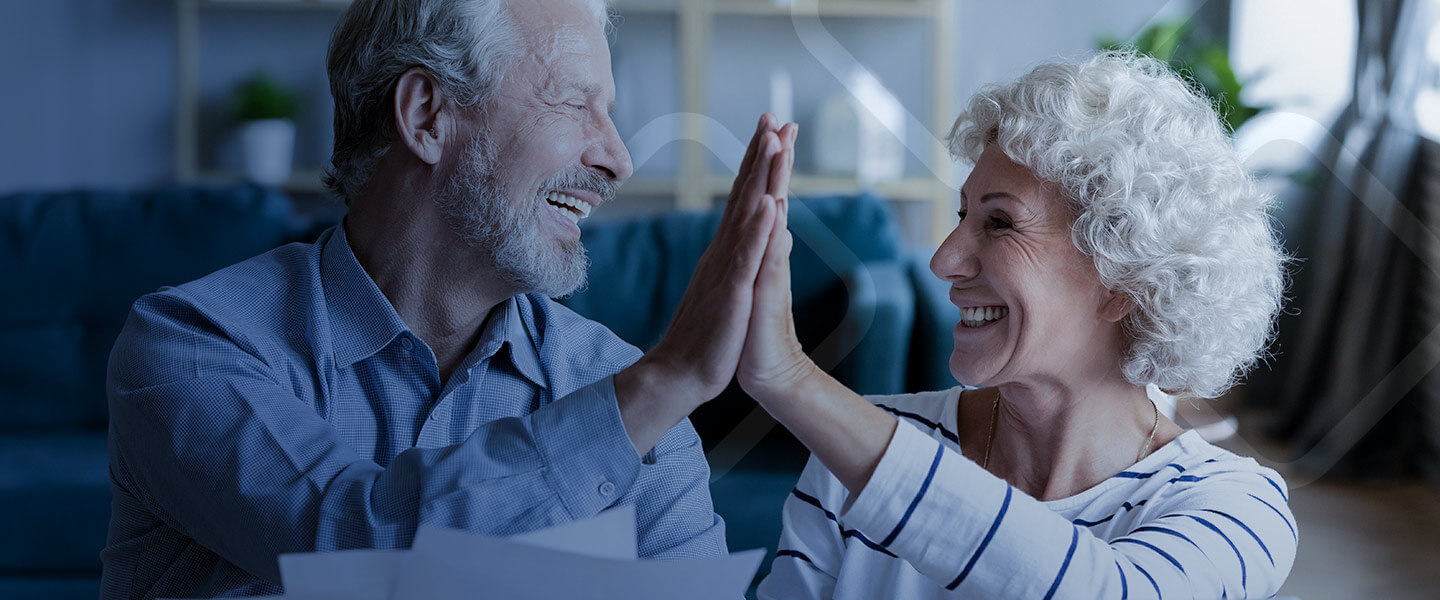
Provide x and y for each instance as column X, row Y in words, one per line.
column 847, row 433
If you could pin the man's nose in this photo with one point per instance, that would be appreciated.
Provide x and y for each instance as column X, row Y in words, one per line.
column 609, row 155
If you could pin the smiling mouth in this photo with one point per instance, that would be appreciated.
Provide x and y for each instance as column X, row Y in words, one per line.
column 571, row 207
column 981, row 316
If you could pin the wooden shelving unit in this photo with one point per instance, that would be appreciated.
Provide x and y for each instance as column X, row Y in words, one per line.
column 695, row 24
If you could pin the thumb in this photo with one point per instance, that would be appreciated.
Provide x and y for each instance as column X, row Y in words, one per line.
column 772, row 284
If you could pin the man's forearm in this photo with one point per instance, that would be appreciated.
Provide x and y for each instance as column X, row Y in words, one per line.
column 653, row 397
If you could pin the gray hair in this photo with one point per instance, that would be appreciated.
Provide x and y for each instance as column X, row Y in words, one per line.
column 467, row 45
column 1162, row 205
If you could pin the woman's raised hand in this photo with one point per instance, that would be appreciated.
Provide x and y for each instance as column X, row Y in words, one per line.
column 773, row 361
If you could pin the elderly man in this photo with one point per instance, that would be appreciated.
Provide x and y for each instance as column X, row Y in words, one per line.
column 409, row 365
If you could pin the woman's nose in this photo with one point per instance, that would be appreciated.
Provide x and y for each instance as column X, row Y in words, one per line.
column 955, row 259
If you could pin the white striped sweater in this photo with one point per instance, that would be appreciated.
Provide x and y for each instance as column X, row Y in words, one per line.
column 1189, row 521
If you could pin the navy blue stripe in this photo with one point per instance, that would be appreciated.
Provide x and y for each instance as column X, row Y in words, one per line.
column 1147, row 576
column 813, row 501
column 1084, row 523
column 864, row 540
column 1152, row 547
column 1065, row 566
column 1194, row 478
column 797, row 554
column 934, row 464
column 994, row 525
column 1222, row 535
column 1134, row 475
column 1124, row 585
column 844, row 533
column 1127, row 506
column 1169, row 531
column 1139, row 475
column 1277, row 488
column 1284, row 520
column 1247, row 530
column 949, row 435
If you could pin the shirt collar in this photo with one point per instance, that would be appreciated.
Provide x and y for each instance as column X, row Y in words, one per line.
column 509, row 326
column 362, row 320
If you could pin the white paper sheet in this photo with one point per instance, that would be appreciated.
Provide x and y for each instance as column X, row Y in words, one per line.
column 347, row 575
column 610, row 534
column 445, row 564
column 593, row 559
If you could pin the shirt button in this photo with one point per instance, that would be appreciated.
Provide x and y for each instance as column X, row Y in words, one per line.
column 607, row 489
column 407, row 344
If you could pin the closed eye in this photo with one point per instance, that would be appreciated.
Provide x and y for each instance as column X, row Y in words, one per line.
column 999, row 223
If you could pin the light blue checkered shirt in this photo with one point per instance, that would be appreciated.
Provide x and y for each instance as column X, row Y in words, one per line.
column 281, row 405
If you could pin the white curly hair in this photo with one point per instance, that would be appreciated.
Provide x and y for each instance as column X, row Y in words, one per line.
column 1162, row 204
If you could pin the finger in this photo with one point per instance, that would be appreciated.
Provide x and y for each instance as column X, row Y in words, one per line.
column 752, row 242
column 772, row 283
column 780, row 174
column 747, row 164
column 794, row 135
column 758, row 183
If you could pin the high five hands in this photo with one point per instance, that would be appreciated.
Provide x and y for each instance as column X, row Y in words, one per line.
column 734, row 318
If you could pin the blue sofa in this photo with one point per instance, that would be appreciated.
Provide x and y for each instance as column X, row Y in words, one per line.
column 75, row 262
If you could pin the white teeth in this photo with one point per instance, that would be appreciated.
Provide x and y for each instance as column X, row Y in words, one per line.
column 977, row 316
column 581, row 208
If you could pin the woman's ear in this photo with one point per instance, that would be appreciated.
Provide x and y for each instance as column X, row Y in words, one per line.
column 421, row 117
column 1117, row 306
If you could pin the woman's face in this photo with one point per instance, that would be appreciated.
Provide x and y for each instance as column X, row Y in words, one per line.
column 1032, row 308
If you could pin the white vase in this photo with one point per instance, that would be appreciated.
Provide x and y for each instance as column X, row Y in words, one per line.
column 268, row 146
column 859, row 132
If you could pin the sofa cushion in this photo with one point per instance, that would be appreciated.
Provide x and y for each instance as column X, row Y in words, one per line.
column 49, row 588
column 648, row 262
column 76, row 261
column 55, row 494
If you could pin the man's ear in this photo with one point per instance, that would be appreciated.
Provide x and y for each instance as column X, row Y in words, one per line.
column 422, row 115
column 1117, row 306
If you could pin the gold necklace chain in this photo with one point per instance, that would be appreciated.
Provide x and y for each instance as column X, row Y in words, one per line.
column 995, row 419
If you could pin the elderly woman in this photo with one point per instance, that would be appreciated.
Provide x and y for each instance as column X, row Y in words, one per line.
column 1108, row 239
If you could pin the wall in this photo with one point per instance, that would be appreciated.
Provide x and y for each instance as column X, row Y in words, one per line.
column 92, row 82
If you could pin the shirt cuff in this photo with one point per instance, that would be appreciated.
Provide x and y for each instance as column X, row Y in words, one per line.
column 895, row 485
column 589, row 459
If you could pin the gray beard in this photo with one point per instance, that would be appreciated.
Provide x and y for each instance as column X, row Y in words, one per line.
column 479, row 209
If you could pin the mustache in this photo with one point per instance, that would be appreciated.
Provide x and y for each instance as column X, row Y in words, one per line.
column 582, row 178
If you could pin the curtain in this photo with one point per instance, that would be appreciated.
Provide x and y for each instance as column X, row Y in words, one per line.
column 1354, row 356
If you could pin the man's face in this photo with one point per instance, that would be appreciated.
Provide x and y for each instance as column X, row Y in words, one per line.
column 543, row 153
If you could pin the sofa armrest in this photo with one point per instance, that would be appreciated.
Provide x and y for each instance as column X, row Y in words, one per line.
column 868, row 350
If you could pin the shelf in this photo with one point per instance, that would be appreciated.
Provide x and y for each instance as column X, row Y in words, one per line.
column 908, row 189
column 836, row 8
column 914, row 188
column 695, row 185
column 335, row 5
column 827, row 8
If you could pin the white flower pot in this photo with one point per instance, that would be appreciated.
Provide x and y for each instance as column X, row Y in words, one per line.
column 268, row 146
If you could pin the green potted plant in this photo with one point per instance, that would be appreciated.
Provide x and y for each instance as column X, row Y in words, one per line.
column 265, row 111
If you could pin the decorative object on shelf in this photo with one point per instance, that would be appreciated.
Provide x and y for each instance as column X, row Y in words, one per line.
column 859, row 132
column 265, row 111
column 1199, row 55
